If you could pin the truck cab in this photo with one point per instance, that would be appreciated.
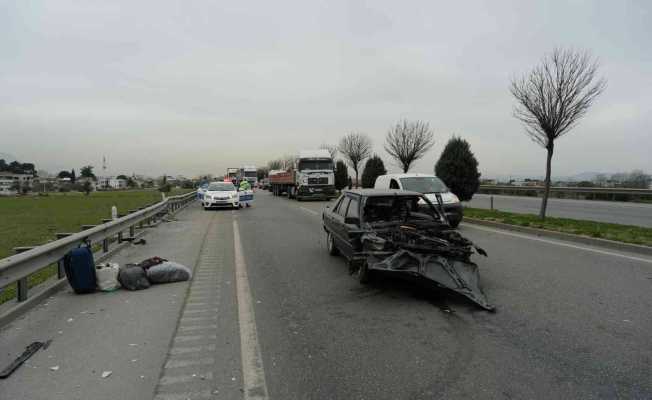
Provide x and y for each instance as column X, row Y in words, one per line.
column 314, row 175
column 249, row 172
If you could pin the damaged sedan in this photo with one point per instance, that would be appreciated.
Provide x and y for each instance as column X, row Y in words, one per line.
column 401, row 232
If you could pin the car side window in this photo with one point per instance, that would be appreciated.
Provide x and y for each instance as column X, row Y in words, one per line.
column 342, row 209
column 353, row 209
column 393, row 184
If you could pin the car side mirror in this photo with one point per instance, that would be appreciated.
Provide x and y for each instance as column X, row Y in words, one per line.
column 352, row 221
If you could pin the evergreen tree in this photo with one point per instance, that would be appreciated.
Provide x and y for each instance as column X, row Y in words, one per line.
column 458, row 168
column 372, row 170
column 73, row 176
column 341, row 175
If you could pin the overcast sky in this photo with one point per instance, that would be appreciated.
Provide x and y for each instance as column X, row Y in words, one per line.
column 193, row 87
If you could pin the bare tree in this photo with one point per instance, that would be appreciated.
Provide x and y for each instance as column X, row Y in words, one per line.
column 331, row 149
column 408, row 141
column 275, row 164
column 553, row 97
column 355, row 147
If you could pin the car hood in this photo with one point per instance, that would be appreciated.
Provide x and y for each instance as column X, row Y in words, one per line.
column 221, row 193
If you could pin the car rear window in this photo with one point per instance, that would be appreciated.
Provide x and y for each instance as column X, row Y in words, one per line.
column 424, row 184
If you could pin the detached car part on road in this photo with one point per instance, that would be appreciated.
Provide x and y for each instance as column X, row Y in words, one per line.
column 402, row 232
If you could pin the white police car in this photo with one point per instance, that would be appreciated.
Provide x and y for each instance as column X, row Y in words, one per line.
column 220, row 194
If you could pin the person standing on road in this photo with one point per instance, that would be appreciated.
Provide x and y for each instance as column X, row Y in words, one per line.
column 246, row 195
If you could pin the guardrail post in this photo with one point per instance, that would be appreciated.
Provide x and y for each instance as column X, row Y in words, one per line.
column 21, row 285
column 132, row 231
column 491, row 201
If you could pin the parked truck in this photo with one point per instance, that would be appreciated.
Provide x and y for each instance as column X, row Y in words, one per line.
column 310, row 177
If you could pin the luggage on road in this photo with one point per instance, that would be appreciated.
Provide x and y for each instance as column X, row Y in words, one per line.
column 168, row 271
column 107, row 277
column 133, row 278
column 80, row 270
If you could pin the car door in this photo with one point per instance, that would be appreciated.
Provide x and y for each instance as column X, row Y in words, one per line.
column 339, row 231
column 351, row 226
column 329, row 215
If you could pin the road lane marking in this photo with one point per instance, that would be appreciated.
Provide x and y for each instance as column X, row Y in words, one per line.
column 309, row 211
column 195, row 349
column 197, row 327
column 172, row 363
column 253, row 371
column 171, row 380
column 558, row 243
column 206, row 394
column 190, row 338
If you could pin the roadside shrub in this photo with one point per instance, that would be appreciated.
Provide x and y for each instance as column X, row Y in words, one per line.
column 372, row 170
column 458, row 168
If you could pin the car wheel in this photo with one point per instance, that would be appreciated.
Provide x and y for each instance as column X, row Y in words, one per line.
column 330, row 244
column 364, row 275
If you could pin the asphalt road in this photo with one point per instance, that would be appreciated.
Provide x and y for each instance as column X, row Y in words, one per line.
column 269, row 314
column 639, row 214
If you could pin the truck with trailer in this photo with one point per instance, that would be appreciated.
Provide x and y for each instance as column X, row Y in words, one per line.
column 311, row 176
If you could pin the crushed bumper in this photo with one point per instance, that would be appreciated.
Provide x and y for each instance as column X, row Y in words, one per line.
column 442, row 257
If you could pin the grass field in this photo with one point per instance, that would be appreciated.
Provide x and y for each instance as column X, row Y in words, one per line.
column 33, row 220
column 602, row 230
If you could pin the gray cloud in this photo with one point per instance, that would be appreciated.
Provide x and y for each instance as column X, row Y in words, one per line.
column 194, row 87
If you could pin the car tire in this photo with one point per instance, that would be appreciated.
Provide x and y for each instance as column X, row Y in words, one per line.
column 330, row 245
column 364, row 275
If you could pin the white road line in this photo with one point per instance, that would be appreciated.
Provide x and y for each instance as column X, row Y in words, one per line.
column 171, row 380
column 206, row 394
column 253, row 372
column 309, row 211
column 190, row 338
column 559, row 243
column 197, row 327
column 189, row 363
column 196, row 349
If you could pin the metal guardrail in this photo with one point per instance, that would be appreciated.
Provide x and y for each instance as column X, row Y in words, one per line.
column 607, row 193
column 29, row 260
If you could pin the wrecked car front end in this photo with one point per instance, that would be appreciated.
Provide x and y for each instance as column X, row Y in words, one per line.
column 432, row 251
column 404, row 233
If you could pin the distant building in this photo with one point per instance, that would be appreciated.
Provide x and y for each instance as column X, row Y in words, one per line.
column 8, row 179
column 110, row 182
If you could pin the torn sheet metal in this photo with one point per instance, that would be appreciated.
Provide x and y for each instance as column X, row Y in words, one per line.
column 426, row 250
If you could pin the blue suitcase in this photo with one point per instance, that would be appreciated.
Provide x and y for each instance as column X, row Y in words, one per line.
column 80, row 270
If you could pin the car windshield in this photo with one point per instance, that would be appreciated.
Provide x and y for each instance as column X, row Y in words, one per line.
column 424, row 184
column 221, row 187
column 315, row 164
column 397, row 208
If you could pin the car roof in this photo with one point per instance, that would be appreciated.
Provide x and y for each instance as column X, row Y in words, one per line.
column 410, row 175
column 380, row 192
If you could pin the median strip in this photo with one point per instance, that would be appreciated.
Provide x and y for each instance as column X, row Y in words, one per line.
column 621, row 237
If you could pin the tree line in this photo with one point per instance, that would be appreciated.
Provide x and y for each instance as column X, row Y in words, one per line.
column 406, row 142
column 550, row 101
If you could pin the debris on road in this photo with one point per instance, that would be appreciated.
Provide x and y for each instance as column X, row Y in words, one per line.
column 106, row 374
column 55, row 368
column 168, row 272
column 29, row 351
column 140, row 241
column 107, row 276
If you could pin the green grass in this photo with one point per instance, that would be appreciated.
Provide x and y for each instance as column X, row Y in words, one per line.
column 602, row 230
column 34, row 220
